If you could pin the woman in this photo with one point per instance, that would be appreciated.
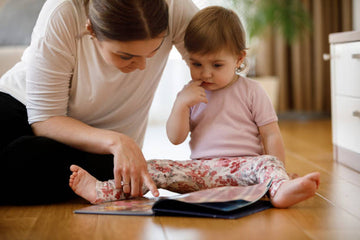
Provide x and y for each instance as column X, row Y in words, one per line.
column 82, row 92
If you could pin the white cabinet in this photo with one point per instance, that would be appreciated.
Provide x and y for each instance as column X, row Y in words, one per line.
column 345, row 97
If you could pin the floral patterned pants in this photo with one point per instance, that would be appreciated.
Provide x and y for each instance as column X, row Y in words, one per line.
column 194, row 175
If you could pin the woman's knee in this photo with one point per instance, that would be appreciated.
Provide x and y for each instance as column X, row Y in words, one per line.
column 36, row 150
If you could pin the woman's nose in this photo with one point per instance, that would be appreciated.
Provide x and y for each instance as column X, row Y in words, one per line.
column 141, row 63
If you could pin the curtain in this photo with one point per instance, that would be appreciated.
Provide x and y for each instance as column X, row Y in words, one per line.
column 304, row 77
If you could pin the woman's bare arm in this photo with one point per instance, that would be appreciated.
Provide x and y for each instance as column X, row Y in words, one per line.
column 129, row 163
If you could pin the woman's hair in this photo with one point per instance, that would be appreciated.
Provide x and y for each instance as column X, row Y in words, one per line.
column 127, row 20
column 215, row 28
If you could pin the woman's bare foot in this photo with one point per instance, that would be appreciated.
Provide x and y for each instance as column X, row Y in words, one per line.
column 296, row 190
column 82, row 183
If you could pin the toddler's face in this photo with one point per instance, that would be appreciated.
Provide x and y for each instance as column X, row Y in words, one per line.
column 216, row 70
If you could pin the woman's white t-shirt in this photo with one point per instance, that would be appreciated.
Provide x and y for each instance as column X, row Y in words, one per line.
column 63, row 74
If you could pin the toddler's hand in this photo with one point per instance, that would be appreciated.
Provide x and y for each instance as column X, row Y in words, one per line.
column 192, row 94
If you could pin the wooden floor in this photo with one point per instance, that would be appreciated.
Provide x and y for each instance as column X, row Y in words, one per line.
column 334, row 213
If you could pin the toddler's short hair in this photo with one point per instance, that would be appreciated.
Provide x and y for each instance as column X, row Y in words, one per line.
column 215, row 28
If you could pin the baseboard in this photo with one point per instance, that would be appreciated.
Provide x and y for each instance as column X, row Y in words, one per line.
column 347, row 157
column 303, row 116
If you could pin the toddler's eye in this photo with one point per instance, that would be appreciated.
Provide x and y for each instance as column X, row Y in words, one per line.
column 196, row 64
column 218, row 65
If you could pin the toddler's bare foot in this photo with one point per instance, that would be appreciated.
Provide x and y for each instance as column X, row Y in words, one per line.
column 82, row 183
column 296, row 190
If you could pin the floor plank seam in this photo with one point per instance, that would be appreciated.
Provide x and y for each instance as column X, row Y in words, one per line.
column 333, row 204
column 294, row 220
column 326, row 200
column 163, row 230
column 301, row 158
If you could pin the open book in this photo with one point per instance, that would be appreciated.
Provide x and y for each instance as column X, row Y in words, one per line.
column 222, row 202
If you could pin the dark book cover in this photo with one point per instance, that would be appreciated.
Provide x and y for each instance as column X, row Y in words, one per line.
column 222, row 202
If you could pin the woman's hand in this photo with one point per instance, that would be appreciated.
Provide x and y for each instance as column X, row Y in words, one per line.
column 130, row 168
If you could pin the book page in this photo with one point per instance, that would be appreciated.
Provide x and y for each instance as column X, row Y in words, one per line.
column 226, row 194
column 137, row 206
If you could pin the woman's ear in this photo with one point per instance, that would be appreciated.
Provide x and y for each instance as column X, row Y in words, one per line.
column 89, row 28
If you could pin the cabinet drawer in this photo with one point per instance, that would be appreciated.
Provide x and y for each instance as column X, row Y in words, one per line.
column 345, row 65
column 347, row 123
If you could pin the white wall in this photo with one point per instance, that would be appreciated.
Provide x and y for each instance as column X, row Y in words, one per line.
column 356, row 15
column 175, row 76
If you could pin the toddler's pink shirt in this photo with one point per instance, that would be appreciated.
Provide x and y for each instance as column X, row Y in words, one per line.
column 228, row 124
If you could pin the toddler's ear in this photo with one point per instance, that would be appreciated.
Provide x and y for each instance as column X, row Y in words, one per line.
column 241, row 58
column 242, row 55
